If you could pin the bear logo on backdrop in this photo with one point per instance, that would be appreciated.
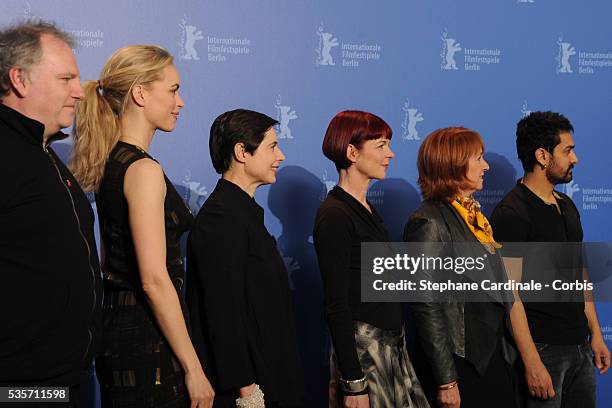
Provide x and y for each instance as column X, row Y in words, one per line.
column 27, row 12
column 329, row 184
column 327, row 41
column 195, row 193
column 450, row 47
column 353, row 54
column 474, row 59
column 588, row 62
column 412, row 116
column 588, row 198
column 571, row 188
column 566, row 50
column 284, row 115
column 525, row 111
column 189, row 35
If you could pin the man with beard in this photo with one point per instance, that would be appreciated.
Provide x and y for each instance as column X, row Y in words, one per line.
column 558, row 342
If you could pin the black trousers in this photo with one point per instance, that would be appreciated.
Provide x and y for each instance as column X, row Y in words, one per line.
column 496, row 388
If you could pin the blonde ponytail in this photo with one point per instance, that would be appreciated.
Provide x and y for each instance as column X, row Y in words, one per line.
column 98, row 115
column 96, row 131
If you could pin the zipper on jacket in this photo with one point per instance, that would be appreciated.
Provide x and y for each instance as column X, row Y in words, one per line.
column 93, row 274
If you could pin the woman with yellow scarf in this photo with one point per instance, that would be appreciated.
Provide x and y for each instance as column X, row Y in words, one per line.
column 464, row 340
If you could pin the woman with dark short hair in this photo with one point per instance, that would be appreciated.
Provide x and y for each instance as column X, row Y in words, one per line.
column 464, row 342
column 238, row 288
column 369, row 364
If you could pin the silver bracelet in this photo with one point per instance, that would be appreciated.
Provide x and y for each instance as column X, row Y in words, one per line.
column 255, row 400
column 353, row 386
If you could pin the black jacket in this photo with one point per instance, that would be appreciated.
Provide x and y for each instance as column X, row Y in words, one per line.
column 468, row 330
column 50, row 285
column 239, row 300
column 341, row 225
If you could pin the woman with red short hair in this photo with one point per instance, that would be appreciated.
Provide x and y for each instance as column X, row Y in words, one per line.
column 369, row 364
column 464, row 342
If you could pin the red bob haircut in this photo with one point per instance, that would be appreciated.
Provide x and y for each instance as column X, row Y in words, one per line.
column 352, row 127
column 443, row 161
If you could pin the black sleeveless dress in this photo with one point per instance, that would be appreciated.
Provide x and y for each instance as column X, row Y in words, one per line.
column 137, row 367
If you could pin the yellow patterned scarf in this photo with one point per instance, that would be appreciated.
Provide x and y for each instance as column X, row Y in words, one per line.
column 469, row 210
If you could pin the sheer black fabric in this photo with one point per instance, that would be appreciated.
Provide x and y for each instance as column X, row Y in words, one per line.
column 137, row 367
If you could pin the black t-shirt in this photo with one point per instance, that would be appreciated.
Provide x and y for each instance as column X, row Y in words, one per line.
column 522, row 216
column 341, row 225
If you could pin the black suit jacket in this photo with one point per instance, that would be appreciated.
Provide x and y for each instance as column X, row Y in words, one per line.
column 239, row 300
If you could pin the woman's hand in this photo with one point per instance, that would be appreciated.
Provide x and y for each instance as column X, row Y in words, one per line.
column 357, row 401
column 245, row 392
column 449, row 398
column 251, row 396
column 200, row 391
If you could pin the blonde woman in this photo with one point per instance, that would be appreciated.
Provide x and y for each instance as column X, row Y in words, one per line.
column 148, row 359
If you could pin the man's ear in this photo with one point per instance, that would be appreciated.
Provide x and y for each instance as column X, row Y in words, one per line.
column 138, row 95
column 240, row 152
column 541, row 157
column 352, row 153
column 19, row 81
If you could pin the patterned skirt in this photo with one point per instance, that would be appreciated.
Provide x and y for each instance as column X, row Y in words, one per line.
column 137, row 368
column 391, row 379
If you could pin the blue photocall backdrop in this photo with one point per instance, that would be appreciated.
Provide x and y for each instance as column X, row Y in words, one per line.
column 418, row 64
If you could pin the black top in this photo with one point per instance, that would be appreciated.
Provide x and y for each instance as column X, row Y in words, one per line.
column 119, row 263
column 341, row 225
column 239, row 300
column 522, row 216
column 50, row 286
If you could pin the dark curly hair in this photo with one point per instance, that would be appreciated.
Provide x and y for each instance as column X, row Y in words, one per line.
column 539, row 130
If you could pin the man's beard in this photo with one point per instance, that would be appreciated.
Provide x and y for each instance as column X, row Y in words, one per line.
column 555, row 175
